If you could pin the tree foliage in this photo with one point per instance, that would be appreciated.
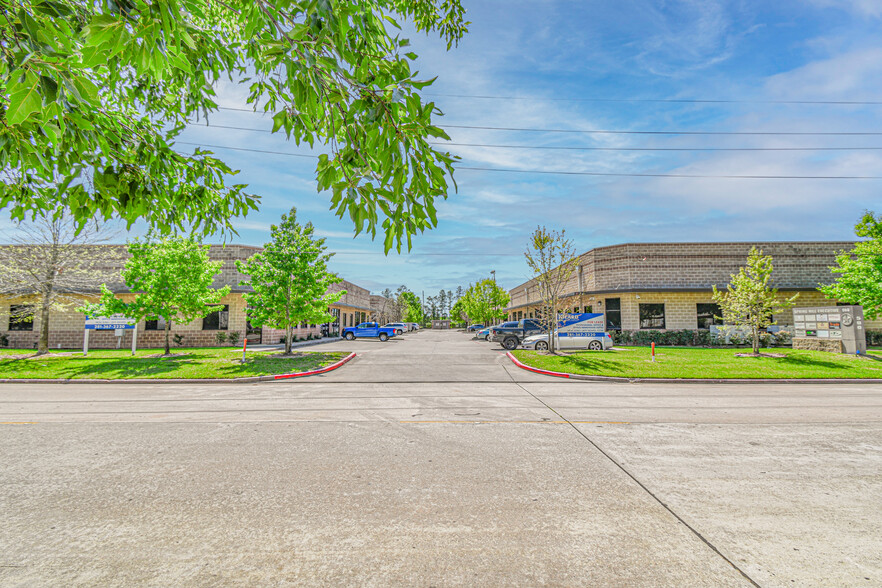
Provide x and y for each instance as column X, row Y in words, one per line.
column 290, row 279
column 50, row 267
column 172, row 280
column 483, row 302
column 552, row 258
column 94, row 94
column 860, row 279
column 749, row 299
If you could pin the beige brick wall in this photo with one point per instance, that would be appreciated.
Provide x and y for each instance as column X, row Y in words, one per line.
column 680, row 307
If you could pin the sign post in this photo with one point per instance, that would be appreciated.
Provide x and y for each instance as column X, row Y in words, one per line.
column 108, row 323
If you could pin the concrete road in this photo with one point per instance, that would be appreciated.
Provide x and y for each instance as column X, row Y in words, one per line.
column 431, row 460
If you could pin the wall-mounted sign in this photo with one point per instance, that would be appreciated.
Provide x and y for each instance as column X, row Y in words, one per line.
column 832, row 323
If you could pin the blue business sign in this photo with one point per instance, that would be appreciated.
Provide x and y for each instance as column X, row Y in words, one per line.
column 117, row 321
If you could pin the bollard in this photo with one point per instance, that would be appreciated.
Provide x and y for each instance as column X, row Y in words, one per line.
column 244, row 345
column 653, row 351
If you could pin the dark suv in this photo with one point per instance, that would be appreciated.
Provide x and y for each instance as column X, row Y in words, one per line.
column 511, row 337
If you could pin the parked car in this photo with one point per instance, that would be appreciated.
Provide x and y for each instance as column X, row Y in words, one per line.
column 592, row 341
column 368, row 330
column 477, row 327
column 399, row 327
column 510, row 334
column 487, row 333
column 413, row 326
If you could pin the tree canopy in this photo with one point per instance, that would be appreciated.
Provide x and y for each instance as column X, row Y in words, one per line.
column 172, row 279
column 860, row 270
column 484, row 302
column 94, row 94
column 290, row 279
column 552, row 258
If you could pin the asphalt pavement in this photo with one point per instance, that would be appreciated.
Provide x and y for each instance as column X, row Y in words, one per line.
column 431, row 460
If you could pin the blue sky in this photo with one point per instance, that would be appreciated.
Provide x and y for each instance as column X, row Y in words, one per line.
column 553, row 60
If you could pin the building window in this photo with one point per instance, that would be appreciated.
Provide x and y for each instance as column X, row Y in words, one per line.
column 708, row 314
column 613, row 314
column 155, row 325
column 217, row 321
column 586, row 309
column 21, row 318
column 652, row 316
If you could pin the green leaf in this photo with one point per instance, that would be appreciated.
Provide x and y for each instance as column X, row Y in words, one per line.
column 23, row 103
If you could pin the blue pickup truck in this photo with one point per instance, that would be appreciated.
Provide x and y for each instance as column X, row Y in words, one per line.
column 368, row 330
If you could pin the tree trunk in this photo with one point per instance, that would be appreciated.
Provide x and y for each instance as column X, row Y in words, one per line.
column 167, row 331
column 755, row 340
column 289, row 332
column 43, row 342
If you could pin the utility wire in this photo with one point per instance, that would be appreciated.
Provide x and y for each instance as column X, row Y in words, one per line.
column 580, row 173
column 664, row 100
column 566, row 148
column 617, row 132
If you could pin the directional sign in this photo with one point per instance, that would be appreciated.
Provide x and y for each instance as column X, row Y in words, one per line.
column 116, row 321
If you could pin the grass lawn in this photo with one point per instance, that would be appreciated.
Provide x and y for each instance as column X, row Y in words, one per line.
column 691, row 362
column 208, row 362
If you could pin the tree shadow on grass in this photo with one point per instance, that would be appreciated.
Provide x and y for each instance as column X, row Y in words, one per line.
column 587, row 363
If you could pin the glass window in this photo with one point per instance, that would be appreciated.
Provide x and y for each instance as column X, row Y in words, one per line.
column 586, row 309
column 21, row 318
column 217, row 321
column 613, row 314
column 155, row 325
column 652, row 316
column 708, row 314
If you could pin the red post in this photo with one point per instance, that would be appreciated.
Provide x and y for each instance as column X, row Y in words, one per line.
column 244, row 345
column 653, row 351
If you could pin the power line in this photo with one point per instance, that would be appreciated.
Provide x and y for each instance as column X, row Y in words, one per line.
column 584, row 173
column 566, row 148
column 665, row 100
column 618, row 132
column 611, row 132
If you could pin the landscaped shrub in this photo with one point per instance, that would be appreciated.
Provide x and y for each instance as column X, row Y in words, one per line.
column 233, row 337
column 220, row 337
column 874, row 338
column 697, row 338
column 4, row 340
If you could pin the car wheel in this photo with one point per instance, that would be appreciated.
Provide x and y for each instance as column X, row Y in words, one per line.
column 541, row 346
column 398, row 331
column 383, row 336
column 349, row 336
column 510, row 343
column 487, row 338
column 595, row 346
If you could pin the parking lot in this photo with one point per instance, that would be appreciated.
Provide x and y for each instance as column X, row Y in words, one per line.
column 431, row 460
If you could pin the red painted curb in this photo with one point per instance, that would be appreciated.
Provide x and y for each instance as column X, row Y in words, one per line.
column 329, row 368
column 532, row 369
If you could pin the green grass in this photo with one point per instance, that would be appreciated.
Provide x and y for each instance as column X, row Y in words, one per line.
column 690, row 362
column 216, row 362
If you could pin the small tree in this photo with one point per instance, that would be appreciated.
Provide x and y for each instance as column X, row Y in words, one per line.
column 553, row 260
column 290, row 279
column 860, row 280
column 750, row 300
column 485, row 302
column 52, row 264
column 172, row 278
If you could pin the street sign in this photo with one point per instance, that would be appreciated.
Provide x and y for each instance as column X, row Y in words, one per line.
column 116, row 321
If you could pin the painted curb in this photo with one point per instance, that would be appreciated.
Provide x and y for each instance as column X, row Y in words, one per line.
column 249, row 380
column 614, row 379
column 323, row 370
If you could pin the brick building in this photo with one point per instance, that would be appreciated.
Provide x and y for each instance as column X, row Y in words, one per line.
column 669, row 285
column 66, row 326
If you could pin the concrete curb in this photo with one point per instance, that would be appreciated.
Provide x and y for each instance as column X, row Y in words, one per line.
column 614, row 379
column 250, row 380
